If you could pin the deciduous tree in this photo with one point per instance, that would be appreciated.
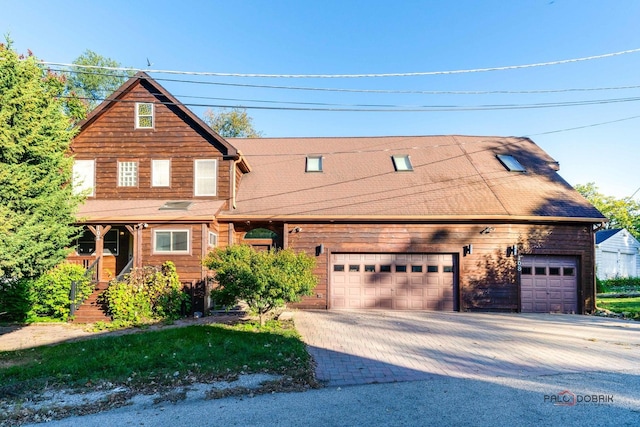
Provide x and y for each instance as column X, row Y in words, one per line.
column 92, row 85
column 234, row 123
column 264, row 280
column 622, row 213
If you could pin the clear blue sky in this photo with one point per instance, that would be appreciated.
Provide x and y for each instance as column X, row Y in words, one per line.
column 363, row 37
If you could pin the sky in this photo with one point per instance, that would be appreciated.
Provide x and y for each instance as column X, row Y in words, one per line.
column 594, row 138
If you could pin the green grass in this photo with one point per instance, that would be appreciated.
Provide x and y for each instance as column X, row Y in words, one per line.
column 167, row 357
column 622, row 305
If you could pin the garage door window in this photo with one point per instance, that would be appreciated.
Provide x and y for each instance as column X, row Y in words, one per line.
column 541, row 271
column 554, row 271
column 447, row 269
column 385, row 269
column 416, row 269
column 354, row 268
column 569, row 271
column 338, row 267
column 401, row 268
column 369, row 268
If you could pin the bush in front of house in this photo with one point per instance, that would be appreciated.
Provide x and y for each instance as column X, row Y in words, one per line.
column 264, row 280
column 52, row 292
column 16, row 300
column 620, row 284
column 46, row 298
column 145, row 295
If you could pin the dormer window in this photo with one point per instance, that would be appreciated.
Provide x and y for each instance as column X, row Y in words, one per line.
column 314, row 164
column 144, row 115
column 510, row 163
column 402, row 163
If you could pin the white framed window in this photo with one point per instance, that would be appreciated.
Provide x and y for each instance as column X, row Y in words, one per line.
column 127, row 174
column 84, row 173
column 144, row 115
column 171, row 241
column 213, row 239
column 402, row 163
column 314, row 164
column 160, row 173
column 205, row 177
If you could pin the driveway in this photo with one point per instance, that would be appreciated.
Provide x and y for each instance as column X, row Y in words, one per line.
column 363, row 347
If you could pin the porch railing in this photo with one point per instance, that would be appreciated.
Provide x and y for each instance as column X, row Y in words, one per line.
column 127, row 269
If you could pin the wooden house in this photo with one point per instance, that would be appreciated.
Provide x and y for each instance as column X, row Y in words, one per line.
column 413, row 222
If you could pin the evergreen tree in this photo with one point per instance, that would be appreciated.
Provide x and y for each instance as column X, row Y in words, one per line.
column 37, row 204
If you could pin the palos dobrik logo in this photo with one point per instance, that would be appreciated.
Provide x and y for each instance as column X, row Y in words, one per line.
column 566, row 398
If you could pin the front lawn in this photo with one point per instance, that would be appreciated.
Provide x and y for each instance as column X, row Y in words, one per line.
column 156, row 359
column 629, row 306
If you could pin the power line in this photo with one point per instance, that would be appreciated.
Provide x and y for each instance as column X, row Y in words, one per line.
column 370, row 75
column 382, row 108
column 583, row 127
column 380, row 91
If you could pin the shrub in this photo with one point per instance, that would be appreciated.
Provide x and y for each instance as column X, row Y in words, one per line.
column 16, row 299
column 52, row 291
column 264, row 280
column 146, row 294
column 619, row 284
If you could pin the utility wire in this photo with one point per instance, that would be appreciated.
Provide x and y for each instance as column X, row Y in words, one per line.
column 335, row 76
column 383, row 91
column 384, row 108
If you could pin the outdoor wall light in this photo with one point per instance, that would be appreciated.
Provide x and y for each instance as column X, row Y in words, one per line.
column 296, row 230
column 487, row 230
column 467, row 250
column 512, row 251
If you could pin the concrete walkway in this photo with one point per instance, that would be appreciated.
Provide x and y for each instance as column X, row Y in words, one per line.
column 363, row 347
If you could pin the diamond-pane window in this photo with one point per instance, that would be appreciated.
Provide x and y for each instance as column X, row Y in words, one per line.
column 144, row 115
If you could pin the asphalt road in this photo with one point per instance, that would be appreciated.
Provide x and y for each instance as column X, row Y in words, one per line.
column 441, row 401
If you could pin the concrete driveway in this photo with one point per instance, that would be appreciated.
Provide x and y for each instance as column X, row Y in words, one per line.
column 362, row 347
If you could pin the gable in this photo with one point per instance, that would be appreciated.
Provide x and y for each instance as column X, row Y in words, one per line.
column 617, row 239
column 118, row 112
column 452, row 177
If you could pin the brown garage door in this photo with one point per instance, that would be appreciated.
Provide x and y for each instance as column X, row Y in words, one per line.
column 393, row 281
column 549, row 284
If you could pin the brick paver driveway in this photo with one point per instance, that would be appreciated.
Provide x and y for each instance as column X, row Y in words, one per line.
column 360, row 347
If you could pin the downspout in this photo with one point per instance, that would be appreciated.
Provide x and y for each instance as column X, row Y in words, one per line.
column 233, row 182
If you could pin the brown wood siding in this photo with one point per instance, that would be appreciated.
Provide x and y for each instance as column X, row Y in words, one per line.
column 188, row 266
column 488, row 279
column 112, row 137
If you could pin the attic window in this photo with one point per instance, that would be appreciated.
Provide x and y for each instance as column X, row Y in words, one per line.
column 175, row 206
column 510, row 163
column 402, row 163
column 314, row 164
column 144, row 115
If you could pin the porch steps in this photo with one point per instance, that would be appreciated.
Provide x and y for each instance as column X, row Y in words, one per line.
column 90, row 311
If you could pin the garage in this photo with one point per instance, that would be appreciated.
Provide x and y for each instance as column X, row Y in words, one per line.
column 393, row 281
column 549, row 284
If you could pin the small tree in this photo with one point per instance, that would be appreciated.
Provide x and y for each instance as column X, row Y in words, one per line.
column 264, row 280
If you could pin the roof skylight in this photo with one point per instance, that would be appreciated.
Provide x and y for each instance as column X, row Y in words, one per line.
column 510, row 163
column 314, row 164
column 401, row 162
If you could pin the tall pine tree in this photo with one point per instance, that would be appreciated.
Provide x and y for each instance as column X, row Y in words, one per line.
column 37, row 204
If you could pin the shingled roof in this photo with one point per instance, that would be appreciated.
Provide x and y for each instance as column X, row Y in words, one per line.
column 454, row 178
